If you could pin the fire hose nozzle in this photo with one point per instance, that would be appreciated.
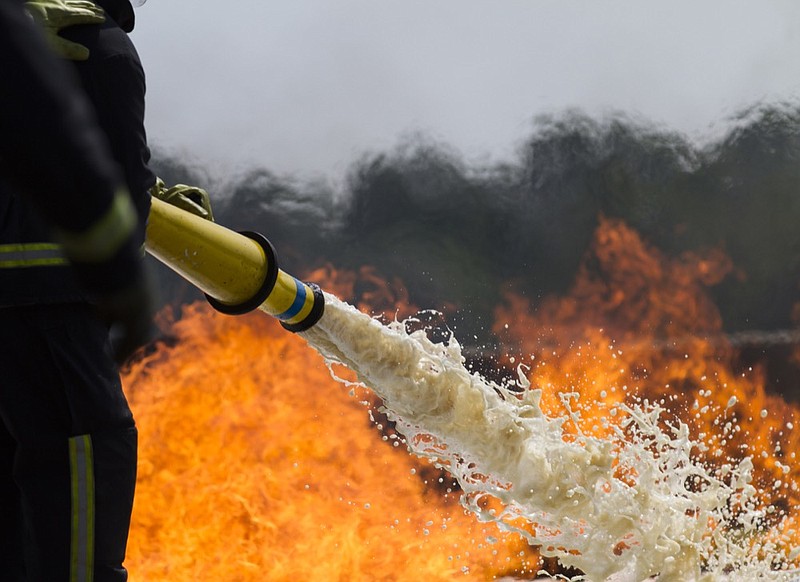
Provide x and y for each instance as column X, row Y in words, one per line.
column 238, row 272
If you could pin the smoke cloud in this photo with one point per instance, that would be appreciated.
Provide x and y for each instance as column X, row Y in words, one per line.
column 459, row 234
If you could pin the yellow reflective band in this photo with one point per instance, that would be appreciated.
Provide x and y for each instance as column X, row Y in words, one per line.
column 31, row 255
column 81, row 467
column 99, row 242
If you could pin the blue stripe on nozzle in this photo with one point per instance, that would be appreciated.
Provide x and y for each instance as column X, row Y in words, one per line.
column 297, row 304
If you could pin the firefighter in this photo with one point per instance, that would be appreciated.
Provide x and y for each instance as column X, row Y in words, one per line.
column 71, row 234
column 68, row 440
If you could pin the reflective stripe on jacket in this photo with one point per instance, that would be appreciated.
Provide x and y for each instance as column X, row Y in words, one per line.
column 41, row 254
column 32, row 271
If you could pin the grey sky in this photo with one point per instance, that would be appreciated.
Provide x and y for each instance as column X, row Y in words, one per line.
column 306, row 86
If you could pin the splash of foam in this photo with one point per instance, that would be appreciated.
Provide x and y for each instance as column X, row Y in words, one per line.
column 638, row 503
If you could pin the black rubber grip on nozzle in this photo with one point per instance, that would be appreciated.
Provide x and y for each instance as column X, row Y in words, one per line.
column 313, row 317
column 266, row 288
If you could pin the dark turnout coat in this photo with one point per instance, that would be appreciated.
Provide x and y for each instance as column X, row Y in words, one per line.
column 51, row 186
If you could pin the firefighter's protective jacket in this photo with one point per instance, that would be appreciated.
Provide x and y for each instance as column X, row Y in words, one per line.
column 54, row 183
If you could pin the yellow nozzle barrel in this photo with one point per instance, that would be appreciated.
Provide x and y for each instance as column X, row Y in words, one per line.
column 238, row 272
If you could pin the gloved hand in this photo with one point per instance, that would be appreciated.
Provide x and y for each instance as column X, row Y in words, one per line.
column 188, row 198
column 129, row 315
column 55, row 15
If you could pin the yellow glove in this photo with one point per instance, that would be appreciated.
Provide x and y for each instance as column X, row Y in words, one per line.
column 188, row 198
column 55, row 15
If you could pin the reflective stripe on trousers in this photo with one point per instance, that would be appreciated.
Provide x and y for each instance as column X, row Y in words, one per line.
column 81, row 468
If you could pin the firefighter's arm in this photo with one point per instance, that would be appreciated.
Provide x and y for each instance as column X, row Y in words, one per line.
column 106, row 257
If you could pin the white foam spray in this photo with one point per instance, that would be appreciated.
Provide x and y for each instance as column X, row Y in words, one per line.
column 637, row 504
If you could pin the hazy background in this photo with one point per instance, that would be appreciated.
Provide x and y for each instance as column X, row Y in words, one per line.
column 467, row 148
column 307, row 86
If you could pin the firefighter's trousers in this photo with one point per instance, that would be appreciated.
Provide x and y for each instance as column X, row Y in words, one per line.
column 67, row 448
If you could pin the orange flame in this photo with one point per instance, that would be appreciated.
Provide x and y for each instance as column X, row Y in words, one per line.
column 256, row 465
column 638, row 325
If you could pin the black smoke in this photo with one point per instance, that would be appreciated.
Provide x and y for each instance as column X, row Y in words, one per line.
column 459, row 233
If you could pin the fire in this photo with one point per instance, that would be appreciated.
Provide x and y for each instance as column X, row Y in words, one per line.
column 637, row 326
column 256, row 465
